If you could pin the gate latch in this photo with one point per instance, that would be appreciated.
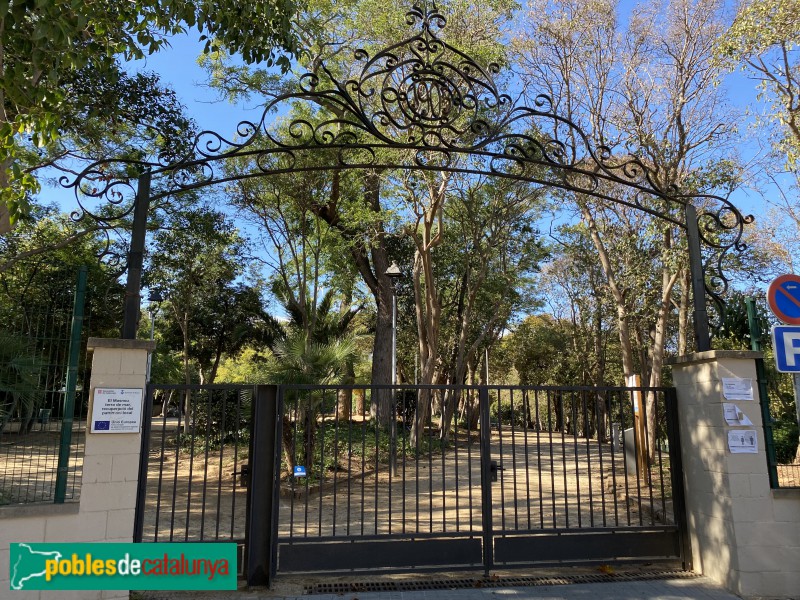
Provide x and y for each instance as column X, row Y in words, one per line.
column 493, row 469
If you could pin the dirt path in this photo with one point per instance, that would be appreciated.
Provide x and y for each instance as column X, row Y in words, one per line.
column 547, row 481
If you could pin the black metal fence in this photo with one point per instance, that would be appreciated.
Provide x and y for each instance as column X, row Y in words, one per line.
column 539, row 461
column 364, row 478
column 43, row 400
column 572, row 458
column 196, row 474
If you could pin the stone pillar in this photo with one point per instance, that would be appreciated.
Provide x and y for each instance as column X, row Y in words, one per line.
column 111, row 460
column 105, row 511
column 744, row 535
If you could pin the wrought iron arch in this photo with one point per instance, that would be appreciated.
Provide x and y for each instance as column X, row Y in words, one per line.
column 420, row 104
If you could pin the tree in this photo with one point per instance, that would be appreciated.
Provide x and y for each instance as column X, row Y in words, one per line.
column 36, row 300
column 764, row 38
column 20, row 371
column 195, row 257
column 229, row 319
column 35, row 283
column 474, row 281
column 320, row 355
column 650, row 88
column 328, row 32
column 49, row 47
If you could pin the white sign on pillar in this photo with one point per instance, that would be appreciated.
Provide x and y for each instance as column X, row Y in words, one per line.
column 786, row 343
column 117, row 410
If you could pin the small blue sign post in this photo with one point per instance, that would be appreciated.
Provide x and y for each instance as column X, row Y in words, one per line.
column 299, row 471
column 786, row 344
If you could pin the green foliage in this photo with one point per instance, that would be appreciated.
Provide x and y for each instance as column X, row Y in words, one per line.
column 196, row 264
column 218, row 422
column 764, row 39
column 50, row 50
column 35, row 283
column 250, row 366
column 786, row 435
column 539, row 351
column 363, row 443
column 734, row 330
column 301, row 361
column 20, row 372
column 759, row 25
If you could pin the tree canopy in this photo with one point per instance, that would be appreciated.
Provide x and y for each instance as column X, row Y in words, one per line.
column 59, row 60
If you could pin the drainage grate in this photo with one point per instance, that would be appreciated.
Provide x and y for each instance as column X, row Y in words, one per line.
column 491, row 582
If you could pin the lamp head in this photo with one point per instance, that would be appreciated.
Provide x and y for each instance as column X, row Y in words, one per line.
column 393, row 272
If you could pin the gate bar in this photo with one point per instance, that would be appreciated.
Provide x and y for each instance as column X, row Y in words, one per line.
column 144, row 460
column 486, row 480
column 260, row 491
column 676, row 468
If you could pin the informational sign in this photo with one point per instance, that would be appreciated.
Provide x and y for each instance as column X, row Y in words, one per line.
column 299, row 471
column 743, row 441
column 117, row 410
column 737, row 388
column 783, row 297
column 786, row 345
column 734, row 415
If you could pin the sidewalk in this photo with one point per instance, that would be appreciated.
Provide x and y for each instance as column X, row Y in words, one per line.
column 670, row 589
column 696, row 588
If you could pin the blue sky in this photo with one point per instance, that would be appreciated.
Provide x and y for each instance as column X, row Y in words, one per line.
column 178, row 67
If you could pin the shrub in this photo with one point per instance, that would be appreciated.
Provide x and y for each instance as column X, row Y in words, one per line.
column 785, row 434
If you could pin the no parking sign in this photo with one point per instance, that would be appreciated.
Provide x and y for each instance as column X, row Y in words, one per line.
column 783, row 297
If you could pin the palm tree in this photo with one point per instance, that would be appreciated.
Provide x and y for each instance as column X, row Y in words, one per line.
column 19, row 378
column 318, row 348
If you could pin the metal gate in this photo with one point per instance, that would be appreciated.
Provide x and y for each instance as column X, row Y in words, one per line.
column 522, row 476
column 315, row 479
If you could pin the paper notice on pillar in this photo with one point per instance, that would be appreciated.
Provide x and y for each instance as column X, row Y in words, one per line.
column 734, row 415
column 743, row 441
column 737, row 388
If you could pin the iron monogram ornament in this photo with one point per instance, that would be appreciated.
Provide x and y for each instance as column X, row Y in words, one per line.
column 419, row 104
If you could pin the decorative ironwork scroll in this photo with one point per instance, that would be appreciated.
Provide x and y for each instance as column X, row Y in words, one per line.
column 421, row 104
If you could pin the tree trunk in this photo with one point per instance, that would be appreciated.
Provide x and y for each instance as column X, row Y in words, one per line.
column 619, row 299
column 659, row 340
column 359, row 402
column 5, row 215
column 381, row 403
column 371, row 261
column 5, row 221
column 345, row 397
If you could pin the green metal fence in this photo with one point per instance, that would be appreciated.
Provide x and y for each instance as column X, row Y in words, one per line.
column 780, row 436
column 43, row 399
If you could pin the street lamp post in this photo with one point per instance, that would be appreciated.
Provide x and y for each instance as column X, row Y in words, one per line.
column 393, row 273
column 153, row 300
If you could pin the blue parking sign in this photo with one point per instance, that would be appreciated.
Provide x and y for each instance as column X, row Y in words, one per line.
column 786, row 344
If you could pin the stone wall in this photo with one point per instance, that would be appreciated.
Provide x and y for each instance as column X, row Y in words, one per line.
column 744, row 535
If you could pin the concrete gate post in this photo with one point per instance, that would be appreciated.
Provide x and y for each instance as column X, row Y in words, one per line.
column 744, row 535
